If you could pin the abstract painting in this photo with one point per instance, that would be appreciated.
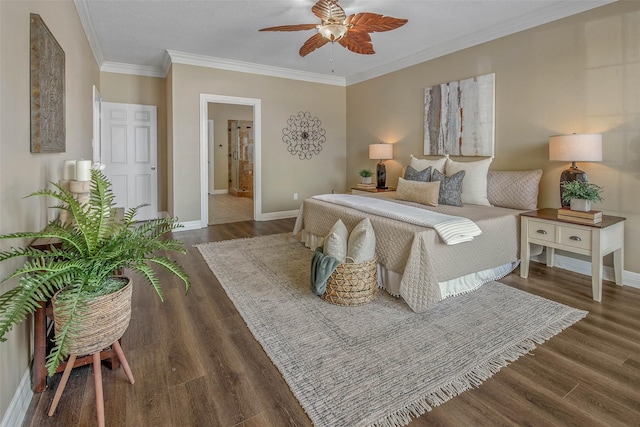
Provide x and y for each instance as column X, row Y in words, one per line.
column 459, row 117
column 47, row 90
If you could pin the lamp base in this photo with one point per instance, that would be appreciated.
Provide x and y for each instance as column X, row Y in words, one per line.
column 381, row 174
column 571, row 174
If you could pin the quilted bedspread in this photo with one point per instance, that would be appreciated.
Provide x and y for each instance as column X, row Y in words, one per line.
column 418, row 253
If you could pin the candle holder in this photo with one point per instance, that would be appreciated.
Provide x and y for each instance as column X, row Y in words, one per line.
column 81, row 192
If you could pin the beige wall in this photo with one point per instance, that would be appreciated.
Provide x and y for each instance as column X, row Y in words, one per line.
column 21, row 172
column 129, row 89
column 221, row 114
column 282, row 173
column 169, row 94
column 579, row 74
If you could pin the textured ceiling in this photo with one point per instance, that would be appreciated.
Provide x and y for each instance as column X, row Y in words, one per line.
column 135, row 36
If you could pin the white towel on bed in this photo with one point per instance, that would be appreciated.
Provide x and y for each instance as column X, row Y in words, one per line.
column 451, row 229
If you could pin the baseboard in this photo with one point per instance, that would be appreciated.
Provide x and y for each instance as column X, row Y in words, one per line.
column 629, row 278
column 278, row 215
column 220, row 192
column 189, row 225
column 19, row 404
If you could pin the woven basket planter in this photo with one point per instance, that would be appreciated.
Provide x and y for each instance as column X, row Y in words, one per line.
column 352, row 284
column 106, row 321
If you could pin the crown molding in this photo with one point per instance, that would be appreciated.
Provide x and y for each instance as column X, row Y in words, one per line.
column 137, row 70
column 87, row 24
column 249, row 67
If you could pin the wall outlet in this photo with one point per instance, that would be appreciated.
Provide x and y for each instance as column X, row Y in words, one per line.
column 295, row 196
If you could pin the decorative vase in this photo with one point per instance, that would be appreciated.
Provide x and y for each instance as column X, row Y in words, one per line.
column 106, row 321
column 366, row 180
column 582, row 205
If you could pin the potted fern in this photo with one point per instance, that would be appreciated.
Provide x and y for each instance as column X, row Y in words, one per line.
column 581, row 194
column 79, row 275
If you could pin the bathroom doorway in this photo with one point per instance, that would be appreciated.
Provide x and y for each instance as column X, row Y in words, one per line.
column 231, row 163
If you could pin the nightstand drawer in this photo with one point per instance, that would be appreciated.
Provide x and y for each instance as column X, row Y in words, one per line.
column 574, row 237
column 542, row 231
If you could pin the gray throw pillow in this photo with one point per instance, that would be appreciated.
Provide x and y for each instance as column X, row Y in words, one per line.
column 412, row 174
column 450, row 188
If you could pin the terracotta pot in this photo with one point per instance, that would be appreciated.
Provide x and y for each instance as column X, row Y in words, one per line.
column 106, row 321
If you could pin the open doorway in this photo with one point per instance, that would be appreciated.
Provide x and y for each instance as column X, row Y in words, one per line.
column 231, row 154
column 230, row 132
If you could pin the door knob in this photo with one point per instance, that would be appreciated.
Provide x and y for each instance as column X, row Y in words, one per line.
column 153, row 168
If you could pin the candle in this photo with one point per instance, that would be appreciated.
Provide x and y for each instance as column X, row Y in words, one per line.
column 69, row 170
column 83, row 170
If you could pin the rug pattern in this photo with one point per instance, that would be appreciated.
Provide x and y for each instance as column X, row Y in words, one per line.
column 379, row 364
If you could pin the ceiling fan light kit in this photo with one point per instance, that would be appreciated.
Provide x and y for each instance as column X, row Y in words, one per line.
column 332, row 32
column 351, row 32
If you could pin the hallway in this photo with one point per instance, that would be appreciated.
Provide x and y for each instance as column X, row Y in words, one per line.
column 225, row 208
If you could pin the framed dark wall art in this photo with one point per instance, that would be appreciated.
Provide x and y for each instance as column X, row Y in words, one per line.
column 47, row 90
column 459, row 117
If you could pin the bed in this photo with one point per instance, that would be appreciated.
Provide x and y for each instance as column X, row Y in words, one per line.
column 414, row 263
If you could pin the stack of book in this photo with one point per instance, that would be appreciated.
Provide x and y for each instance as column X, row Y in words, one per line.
column 590, row 217
column 370, row 186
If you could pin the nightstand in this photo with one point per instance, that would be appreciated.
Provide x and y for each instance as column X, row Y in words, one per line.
column 595, row 240
column 356, row 190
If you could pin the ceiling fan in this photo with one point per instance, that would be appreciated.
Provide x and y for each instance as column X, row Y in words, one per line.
column 351, row 32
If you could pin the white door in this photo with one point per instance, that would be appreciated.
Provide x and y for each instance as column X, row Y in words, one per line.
column 129, row 151
column 95, row 142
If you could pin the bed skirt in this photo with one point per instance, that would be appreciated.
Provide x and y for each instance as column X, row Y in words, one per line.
column 390, row 280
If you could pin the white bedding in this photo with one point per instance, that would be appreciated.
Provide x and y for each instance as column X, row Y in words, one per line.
column 451, row 229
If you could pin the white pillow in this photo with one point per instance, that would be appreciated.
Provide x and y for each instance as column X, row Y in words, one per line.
column 335, row 243
column 474, row 184
column 362, row 242
column 420, row 164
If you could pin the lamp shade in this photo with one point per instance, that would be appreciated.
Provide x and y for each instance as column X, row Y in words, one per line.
column 585, row 147
column 381, row 151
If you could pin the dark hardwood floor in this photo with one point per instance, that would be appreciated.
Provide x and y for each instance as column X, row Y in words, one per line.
column 196, row 363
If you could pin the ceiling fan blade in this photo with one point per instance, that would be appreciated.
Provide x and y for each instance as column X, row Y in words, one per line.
column 328, row 10
column 358, row 42
column 312, row 44
column 374, row 22
column 298, row 27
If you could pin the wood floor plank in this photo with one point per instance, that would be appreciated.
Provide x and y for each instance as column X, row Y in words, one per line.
column 148, row 399
column 197, row 364
column 600, row 407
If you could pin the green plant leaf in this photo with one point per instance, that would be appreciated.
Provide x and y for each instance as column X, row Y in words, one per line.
column 93, row 247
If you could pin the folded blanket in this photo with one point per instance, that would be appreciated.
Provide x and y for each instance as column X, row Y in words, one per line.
column 322, row 266
column 451, row 229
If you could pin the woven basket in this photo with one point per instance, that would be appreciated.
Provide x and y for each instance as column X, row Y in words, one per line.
column 352, row 284
column 106, row 321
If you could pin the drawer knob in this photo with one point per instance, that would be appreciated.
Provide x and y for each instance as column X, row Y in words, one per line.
column 542, row 232
column 576, row 238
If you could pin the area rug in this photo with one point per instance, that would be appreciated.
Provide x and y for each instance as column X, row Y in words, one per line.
column 379, row 364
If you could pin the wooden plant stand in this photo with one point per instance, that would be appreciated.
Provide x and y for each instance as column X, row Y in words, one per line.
column 97, row 378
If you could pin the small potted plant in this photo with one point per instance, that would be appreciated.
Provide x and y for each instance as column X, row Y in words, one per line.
column 581, row 194
column 365, row 175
